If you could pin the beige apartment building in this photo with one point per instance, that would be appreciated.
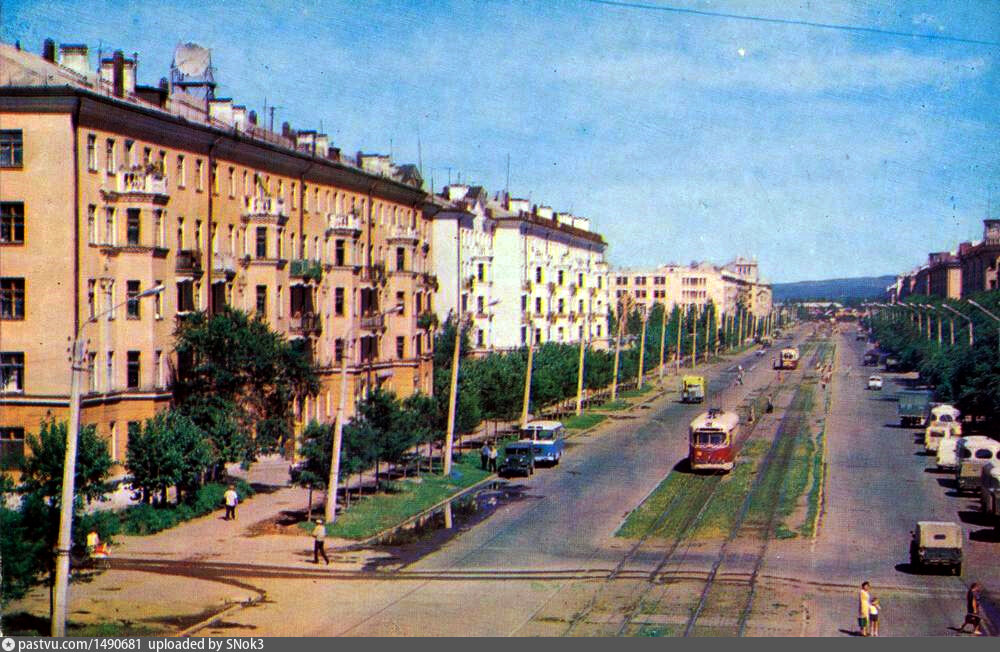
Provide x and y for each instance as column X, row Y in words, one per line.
column 694, row 286
column 108, row 188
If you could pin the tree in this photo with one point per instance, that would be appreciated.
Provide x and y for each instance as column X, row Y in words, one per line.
column 23, row 556
column 316, row 452
column 236, row 375
column 169, row 450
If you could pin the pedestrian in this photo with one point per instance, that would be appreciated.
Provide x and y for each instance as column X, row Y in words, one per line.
column 484, row 455
column 770, row 405
column 493, row 457
column 232, row 500
column 873, row 611
column 93, row 540
column 319, row 540
column 972, row 611
column 864, row 608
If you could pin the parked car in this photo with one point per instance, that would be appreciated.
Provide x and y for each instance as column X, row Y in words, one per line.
column 914, row 407
column 875, row 382
column 974, row 453
column 947, row 454
column 990, row 489
column 518, row 460
column 937, row 544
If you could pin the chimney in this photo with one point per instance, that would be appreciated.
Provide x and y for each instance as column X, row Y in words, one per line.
column 286, row 129
column 49, row 50
column 118, row 73
column 75, row 58
column 252, row 117
column 240, row 117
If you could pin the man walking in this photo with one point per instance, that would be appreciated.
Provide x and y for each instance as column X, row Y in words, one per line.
column 972, row 611
column 484, row 455
column 864, row 607
column 319, row 541
column 493, row 457
column 232, row 499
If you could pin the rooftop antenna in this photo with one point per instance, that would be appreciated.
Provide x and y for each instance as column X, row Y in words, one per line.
column 506, row 188
column 390, row 149
column 420, row 157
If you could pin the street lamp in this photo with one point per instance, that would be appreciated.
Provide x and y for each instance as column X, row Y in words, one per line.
column 330, row 512
column 963, row 316
column 663, row 336
column 938, row 316
column 642, row 346
column 64, row 542
column 991, row 316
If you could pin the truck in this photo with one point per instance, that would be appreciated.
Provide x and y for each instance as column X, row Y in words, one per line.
column 914, row 407
column 937, row 543
column 692, row 389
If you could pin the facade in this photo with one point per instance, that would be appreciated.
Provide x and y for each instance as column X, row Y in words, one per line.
column 944, row 275
column 108, row 188
column 735, row 283
column 980, row 261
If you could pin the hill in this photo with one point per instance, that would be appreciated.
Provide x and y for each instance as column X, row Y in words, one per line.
column 837, row 289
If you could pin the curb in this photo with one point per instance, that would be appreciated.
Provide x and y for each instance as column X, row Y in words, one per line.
column 226, row 611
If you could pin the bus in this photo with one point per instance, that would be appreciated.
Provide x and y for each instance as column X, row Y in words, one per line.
column 713, row 441
column 547, row 438
column 789, row 358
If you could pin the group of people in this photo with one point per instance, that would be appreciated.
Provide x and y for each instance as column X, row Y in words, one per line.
column 869, row 610
column 488, row 456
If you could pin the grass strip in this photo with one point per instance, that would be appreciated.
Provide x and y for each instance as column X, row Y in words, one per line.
column 720, row 515
column 612, row 406
column 583, row 421
column 405, row 499
column 639, row 391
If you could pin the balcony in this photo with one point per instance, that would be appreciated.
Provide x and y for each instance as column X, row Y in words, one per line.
column 373, row 322
column 306, row 270
column 404, row 235
column 265, row 209
column 225, row 265
column 188, row 262
column 306, row 324
column 343, row 224
column 138, row 184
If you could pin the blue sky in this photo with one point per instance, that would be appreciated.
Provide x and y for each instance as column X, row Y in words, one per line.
column 823, row 152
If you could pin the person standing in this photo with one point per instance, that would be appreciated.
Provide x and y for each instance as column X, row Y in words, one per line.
column 972, row 610
column 232, row 500
column 864, row 608
column 319, row 542
column 484, row 455
column 873, row 612
column 493, row 457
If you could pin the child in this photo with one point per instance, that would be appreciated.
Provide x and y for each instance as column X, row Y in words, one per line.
column 873, row 615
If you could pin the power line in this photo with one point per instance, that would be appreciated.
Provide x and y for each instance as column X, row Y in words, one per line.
column 789, row 21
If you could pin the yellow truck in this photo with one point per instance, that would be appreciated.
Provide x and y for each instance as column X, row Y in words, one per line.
column 692, row 389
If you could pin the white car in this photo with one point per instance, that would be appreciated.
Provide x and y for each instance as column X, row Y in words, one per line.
column 875, row 382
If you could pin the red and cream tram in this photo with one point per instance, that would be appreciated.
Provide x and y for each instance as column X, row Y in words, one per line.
column 713, row 441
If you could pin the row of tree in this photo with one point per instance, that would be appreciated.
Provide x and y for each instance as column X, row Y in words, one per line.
column 966, row 376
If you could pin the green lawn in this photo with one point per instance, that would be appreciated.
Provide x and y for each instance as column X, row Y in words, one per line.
column 379, row 512
column 584, row 421
column 610, row 406
column 639, row 391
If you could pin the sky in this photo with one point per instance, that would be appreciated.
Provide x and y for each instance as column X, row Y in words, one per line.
column 827, row 139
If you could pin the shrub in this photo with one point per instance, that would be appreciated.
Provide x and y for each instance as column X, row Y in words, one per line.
column 147, row 519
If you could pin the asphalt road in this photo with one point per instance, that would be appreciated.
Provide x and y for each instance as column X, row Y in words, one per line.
column 563, row 524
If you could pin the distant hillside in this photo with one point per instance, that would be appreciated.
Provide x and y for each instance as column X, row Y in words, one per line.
column 833, row 289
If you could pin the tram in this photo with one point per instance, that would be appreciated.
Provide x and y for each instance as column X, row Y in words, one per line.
column 712, row 439
column 789, row 358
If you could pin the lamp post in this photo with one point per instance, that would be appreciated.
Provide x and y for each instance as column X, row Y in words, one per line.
column 663, row 336
column 963, row 316
column 642, row 347
column 64, row 542
column 333, row 482
column 681, row 312
column 622, row 317
column 694, row 338
column 990, row 315
column 579, row 371
column 527, row 377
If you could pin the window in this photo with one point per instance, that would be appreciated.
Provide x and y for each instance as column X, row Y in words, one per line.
column 538, row 275
column 232, row 182
column 600, row 282
column 158, row 301
column 158, row 369
column 197, row 234
column 339, row 253
column 133, row 369
column 524, row 335
column 481, row 305
column 158, row 227
column 481, row 272
column 401, row 303
column 109, row 299
column 185, row 296
column 281, row 305
column 579, row 280
column 132, row 226
column 132, row 296
column 91, row 299
column 92, row 152
column 11, row 222
column 338, row 350
column 11, row 448
column 147, row 156
column 11, row 372
column 561, row 306
column 11, row 148
column 199, row 175
column 524, row 302
column 338, row 301
column 109, row 156
column 538, row 305
column 262, row 242
column 538, row 335
column 560, row 277
column 181, row 171
column 480, row 338
column 11, row 298
column 109, row 226
column 262, row 300
column 92, row 224
column 400, row 347
column 129, row 147
column 180, row 234
column 400, row 259
column 213, row 178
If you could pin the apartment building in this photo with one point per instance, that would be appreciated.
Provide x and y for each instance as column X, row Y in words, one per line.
column 109, row 188
column 694, row 286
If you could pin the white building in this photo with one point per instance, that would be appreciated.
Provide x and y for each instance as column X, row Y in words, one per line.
column 519, row 272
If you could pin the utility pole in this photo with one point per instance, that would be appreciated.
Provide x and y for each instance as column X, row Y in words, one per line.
column 618, row 348
column 579, row 371
column 453, row 396
column 708, row 324
column 642, row 349
column 694, row 339
column 663, row 336
column 338, row 436
column 527, row 377
column 680, row 328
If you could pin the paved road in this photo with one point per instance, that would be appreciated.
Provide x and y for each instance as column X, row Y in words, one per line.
column 878, row 486
column 565, row 522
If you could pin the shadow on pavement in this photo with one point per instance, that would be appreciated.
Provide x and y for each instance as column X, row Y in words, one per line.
column 909, row 569
column 850, row 632
column 975, row 517
column 986, row 535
